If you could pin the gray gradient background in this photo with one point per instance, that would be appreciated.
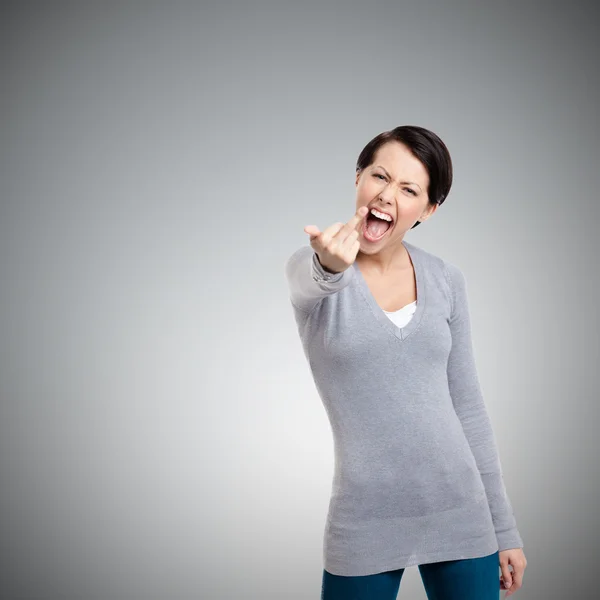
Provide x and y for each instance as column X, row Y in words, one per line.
column 160, row 434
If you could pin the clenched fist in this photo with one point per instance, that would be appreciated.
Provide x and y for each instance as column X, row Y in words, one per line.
column 338, row 245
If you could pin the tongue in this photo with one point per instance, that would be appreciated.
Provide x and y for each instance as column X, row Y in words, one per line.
column 377, row 227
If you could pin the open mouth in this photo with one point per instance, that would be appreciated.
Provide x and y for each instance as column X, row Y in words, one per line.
column 375, row 228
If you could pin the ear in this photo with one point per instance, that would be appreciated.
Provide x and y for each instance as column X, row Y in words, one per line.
column 357, row 178
column 428, row 212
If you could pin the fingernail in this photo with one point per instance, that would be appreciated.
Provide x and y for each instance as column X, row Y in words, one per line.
column 506, row 583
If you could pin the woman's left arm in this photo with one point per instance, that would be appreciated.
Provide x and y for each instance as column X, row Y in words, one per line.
column 469, row 405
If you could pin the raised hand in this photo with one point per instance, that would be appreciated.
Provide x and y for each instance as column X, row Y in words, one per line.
column 338, row 245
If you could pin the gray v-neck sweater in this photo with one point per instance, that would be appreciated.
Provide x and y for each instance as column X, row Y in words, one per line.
column 417, row 476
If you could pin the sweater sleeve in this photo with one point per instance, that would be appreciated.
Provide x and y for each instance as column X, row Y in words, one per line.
column 308, row 282
column 469, row 405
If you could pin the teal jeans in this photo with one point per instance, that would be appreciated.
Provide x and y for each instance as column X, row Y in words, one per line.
column 464, row 579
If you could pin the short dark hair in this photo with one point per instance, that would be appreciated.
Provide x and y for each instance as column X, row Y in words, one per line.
column 424, row 145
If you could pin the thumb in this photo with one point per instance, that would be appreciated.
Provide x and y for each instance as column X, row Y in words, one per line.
column 312, row 230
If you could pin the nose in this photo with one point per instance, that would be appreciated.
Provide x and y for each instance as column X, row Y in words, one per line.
column 387, row 195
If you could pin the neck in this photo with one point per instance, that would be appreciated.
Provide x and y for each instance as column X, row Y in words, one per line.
column 388, row 260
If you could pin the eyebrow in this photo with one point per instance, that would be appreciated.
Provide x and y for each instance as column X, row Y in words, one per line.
column 407, row 182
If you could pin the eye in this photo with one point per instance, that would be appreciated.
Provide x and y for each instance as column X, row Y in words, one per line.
column 382, row 177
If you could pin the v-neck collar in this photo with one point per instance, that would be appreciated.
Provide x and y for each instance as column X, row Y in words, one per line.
column 400, row 332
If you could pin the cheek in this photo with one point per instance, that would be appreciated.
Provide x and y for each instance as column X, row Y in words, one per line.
column 363, row 196
column 368, row 187
column 406, row 214
column 409, row 210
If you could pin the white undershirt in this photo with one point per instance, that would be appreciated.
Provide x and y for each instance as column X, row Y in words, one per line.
column 401, row 317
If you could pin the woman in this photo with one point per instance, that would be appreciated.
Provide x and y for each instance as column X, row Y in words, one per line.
column 385, row 327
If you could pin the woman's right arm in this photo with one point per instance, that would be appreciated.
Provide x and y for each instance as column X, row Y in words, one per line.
column 337, row 246
column 309, row 282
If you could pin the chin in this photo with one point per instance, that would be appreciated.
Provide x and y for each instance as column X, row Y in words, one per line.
column 365, row 250
column 368, row 248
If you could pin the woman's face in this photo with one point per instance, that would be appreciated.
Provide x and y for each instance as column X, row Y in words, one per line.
column 395, row 183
